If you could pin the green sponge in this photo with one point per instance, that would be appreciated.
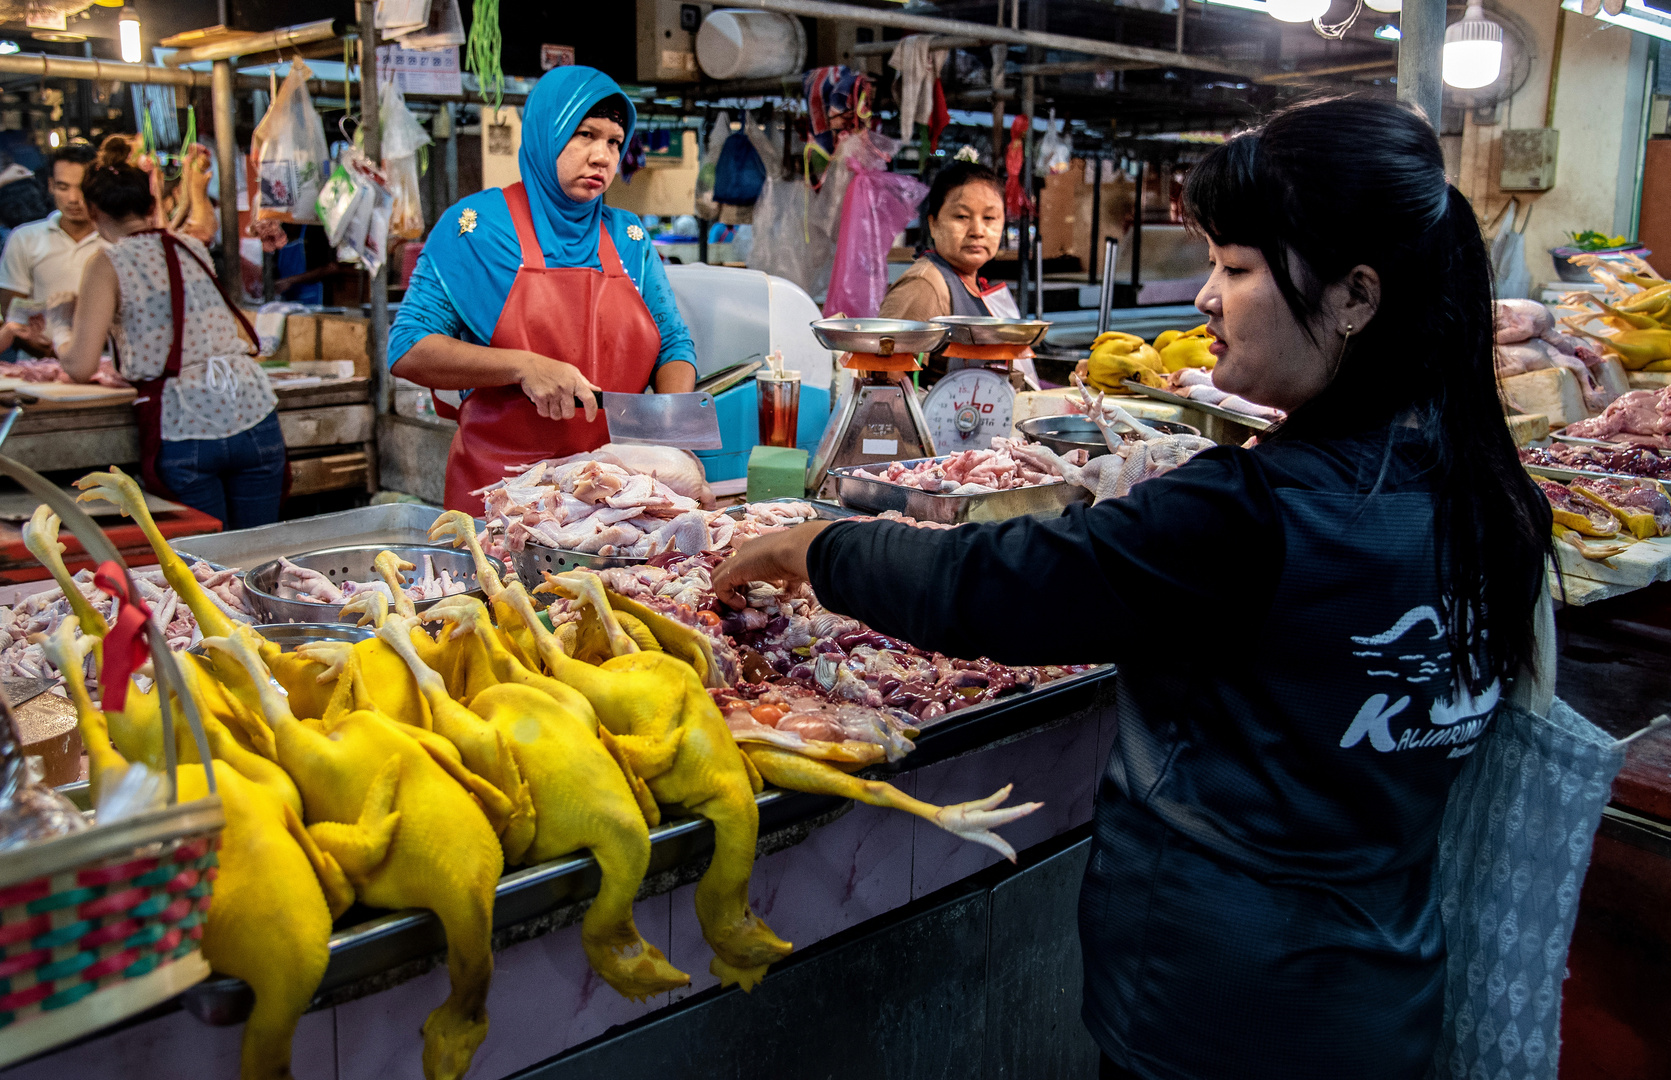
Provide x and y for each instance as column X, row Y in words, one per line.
column 776, row 472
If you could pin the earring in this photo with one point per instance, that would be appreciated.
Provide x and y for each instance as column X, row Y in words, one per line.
column 1348, row 331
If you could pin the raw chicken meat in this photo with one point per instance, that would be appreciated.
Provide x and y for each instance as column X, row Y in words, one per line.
column 1523, row 357
column 1521, row 320
column 598, row 508
column 41, row 613
column 1146, row 454
column 968, row 472
column 1629, row 461
column 300, row 583
column 1639, row 418
column 1197, row 385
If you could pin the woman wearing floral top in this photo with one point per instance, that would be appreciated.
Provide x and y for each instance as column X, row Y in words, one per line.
column 208, row 434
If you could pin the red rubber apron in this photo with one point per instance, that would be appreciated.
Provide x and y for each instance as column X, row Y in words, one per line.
column 595, row 321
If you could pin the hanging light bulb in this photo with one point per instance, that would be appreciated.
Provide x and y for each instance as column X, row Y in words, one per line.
column 1296, row 11
column 1473, row 55
column 128, row 25
column 1387, row 7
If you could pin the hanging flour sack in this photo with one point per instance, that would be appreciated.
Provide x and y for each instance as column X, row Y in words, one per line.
column 292, row 154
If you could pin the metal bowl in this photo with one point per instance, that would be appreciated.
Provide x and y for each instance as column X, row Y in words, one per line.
column 879, row 337
column 1069, row 431
column 986, row 330
column 287, row 636
column 351, row 564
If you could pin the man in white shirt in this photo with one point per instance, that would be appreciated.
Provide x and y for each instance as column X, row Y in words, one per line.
column 43, row 260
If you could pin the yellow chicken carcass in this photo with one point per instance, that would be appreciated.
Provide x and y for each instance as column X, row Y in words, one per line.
column 822, row 768
column 299, row 677
column 397, row 813
column 275, row 892
column 581, row 799
column 652, row 702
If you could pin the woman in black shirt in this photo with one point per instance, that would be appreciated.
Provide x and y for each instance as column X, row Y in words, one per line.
column 1311, row 633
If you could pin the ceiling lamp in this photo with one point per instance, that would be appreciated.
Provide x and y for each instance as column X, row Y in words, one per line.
column 1386, row 7
column 1296, row 11
column 128, row 24
column 1473, row 55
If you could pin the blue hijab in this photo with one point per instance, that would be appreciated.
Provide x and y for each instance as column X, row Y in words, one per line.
column 477, row 266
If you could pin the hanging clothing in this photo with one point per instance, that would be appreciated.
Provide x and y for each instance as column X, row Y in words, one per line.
column 919, row 72
column 597, row 322
column 837, row 98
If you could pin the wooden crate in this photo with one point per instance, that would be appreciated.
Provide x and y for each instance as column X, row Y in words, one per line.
column 345, row 337
column 333, row 472
column 335, row 425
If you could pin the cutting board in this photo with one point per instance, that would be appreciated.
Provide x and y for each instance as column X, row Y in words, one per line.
column 75, row 392
column 1639, row 565
column 20, row 505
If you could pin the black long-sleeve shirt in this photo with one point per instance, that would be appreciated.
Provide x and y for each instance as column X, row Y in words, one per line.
column 1289, row 727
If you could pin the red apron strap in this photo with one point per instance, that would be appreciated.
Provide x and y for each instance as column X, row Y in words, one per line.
column 516, row 198
column 176, row 306
column 237, row 313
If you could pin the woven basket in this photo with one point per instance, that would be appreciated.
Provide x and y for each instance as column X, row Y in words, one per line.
column 98, row 925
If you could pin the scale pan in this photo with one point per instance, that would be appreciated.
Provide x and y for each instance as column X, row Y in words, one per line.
column 986, row 330
column 879, row 337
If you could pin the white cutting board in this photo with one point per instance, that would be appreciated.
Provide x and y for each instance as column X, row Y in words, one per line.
column 75, row 392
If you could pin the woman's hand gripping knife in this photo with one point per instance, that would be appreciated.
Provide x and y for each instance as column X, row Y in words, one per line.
column 393, row 808
column 275, row 892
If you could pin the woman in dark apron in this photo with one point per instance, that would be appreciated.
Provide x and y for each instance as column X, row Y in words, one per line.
column 208, row 433
column 534, row 297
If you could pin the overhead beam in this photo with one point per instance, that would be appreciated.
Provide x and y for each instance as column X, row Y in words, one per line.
column 1332, row 69
column 250, row 44
column 939, row 41
column 980, row 32
column 73, row 67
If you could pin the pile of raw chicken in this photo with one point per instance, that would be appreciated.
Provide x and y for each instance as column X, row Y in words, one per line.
column 1639, row 418
column 971, row 472
column 1603, row 516
column 410, row 769
column 311, row 586
column 1529, row 339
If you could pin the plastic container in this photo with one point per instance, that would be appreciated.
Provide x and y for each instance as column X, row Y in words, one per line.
column 737, row 43
column 780, row 407
column 739, row 427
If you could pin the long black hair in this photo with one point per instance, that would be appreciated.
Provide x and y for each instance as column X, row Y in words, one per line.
column 1332, row 184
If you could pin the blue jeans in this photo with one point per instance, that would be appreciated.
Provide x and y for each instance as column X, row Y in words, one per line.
column 237, row 479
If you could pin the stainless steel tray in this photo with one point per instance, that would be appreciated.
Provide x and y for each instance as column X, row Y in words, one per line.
column 395, row 523
column 879, row 337
column 350, row 564
column 377, row 949
column 875, row 496
column 1063, row 432
column 986, row 330
column 1170, row 398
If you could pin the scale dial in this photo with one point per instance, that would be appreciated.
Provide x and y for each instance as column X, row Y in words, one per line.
column 967, row 408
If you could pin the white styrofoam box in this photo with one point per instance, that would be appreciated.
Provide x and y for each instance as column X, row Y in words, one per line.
column 1554, row 392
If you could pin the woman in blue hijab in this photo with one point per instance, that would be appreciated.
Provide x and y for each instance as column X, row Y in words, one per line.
column 536, row 296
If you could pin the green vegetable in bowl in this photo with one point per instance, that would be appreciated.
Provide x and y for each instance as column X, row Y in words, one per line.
column 1591, row 240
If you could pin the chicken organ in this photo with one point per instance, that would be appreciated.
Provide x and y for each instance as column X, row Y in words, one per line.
column 1639, row 418
column 968, row 472
column 301, row 583
column 1580, row 515
column 1640, row 504
column 1631, row 461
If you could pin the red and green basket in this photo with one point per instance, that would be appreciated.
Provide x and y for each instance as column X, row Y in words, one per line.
column 101, row 924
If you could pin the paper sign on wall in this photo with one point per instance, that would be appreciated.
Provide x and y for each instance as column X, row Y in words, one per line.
column 420, row 71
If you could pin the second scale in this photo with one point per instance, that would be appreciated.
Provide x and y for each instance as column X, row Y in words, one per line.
column 975, row 400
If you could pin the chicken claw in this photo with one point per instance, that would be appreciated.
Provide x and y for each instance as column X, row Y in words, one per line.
column 460, row 528
column 370, row 605
column 334, row 655
column 389, row 567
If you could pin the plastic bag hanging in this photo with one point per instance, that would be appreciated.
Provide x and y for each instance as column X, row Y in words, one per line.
column 1017, row 200
column 403, row 138
column 877, row 206
column 291, row 153
column 1055, row 152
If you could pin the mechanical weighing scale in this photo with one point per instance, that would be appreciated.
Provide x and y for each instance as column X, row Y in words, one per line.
column 878, row 418
column 975, row 400
column 881, row 420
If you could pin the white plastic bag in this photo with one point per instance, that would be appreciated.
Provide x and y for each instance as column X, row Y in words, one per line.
column 365, row 236
column 292, row 154
column 403, row 137
column 1055, row 153
column 340, row 201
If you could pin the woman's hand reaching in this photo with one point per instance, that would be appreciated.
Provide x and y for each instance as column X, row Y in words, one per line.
column 554, row 386
column 778, row 558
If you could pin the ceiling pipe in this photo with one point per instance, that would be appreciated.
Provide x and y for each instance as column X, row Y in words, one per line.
column 249, row 44
column 74, row 67
column 820, row 9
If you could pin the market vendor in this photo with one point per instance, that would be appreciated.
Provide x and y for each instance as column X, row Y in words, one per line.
column 534, row 297
column 1260, row 898
column 964, row 214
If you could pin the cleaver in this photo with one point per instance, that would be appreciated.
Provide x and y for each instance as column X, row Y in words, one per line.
column 687, row 421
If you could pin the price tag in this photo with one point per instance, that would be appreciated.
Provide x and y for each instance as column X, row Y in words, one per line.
column 420, row 71
column 879, row 446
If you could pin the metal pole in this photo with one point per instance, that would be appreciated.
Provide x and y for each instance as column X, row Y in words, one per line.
column 1183, row 7
column 226, row 163
column 70, row 67
column 1038, row 276
column 1137, row 235
column 372, row 126
column 1105, row 297
column 248, row 45
column 449, row 158
column 1096, row 220
column 1420, row 50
